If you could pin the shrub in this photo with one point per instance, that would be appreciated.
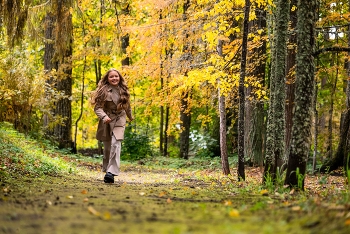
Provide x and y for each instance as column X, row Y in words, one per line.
column 136, row 145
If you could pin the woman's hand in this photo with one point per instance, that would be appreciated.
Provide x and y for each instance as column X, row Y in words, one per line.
column 106, row 120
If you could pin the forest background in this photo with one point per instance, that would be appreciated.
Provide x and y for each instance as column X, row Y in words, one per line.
column 207, row 78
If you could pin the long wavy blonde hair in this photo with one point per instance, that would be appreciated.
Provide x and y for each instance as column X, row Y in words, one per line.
column 100, row 94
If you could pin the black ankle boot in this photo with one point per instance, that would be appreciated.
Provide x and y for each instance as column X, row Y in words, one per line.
column 109, row 178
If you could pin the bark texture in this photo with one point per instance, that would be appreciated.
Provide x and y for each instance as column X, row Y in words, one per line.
column 240, row 169
column 290, row 78
column 305, row 68
column 276, row 151
column 222, row 112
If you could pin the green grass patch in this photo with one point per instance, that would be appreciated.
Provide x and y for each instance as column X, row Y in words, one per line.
column 22, row 156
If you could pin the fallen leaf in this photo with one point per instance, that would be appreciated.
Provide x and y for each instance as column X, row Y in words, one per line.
column 84, row 191
column 106, row 216
column 296, row 208
column 347, row 222
column 49, row 203
column 234, row 213
column 70, row 197
column 86, row 199
column 228, row 203
column 93, row 211
column 264, row 192
column 141, row 193
column 169, row 200
column 162, row 194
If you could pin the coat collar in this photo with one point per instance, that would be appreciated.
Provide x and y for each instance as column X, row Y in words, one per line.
column 115, row 96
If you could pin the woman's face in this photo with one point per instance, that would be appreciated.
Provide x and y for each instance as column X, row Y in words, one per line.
column 113, row 78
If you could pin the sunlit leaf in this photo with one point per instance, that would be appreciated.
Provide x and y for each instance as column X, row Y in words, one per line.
column 234, row 213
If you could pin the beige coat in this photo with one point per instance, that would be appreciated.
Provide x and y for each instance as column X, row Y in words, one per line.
column 109, row 108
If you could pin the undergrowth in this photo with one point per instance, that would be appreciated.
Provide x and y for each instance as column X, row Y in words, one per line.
column 22, row 156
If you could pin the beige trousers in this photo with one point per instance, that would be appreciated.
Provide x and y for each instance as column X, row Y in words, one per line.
column 111, row 156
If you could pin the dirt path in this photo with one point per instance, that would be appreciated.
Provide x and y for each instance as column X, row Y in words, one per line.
column 151, row 202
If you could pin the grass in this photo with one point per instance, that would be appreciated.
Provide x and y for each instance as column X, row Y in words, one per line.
column 20, row 155
column 325, row 195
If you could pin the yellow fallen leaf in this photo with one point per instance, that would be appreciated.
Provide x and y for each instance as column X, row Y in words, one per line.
column 264, row 192
column 296, row 208
column 84, row 191
column 70, row 197
column 234, row 213
column 141, row 193
column 106, row 216
column 347, row 222
column 228, row 203
column 162, row 194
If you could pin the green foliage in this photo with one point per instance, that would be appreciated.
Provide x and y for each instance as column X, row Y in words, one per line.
column 22, row 156
column 193, row 163
column 136, row 145
column 200, row 144
column 300, row 178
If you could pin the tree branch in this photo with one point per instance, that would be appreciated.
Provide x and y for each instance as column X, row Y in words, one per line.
column 332, row 49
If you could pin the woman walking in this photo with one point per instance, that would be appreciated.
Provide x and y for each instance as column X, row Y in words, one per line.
column 111, row 102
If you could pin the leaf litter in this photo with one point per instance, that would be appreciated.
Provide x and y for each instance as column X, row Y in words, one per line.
column 143, row 200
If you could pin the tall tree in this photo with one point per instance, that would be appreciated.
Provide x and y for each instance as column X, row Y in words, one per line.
column 63, row 50
column 185, row 112
column 240, row 169
column 305, row 68
column 341, row 157
column 290, row 71
column 275, row 152
column 254, row 110
column 222, row 112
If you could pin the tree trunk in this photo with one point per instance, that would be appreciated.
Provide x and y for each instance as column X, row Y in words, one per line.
column 276, row 155
column 254, row 122
column 270, row 127
column 49, row 63
column 331, row 108
column 315, row 131
column 185, row 112
column 305, row 68
column 185, row 117
column 290, row 71
column 222, row 111
column 341, row 157
column 58, row 56
column 63, row 46
column 166, row 127
column 240, row 169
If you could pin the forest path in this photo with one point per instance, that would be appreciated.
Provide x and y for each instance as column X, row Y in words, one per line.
column 149, row 201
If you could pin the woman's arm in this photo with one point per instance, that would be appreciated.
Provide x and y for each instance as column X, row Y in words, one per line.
column 129, row 113
column 101, row 114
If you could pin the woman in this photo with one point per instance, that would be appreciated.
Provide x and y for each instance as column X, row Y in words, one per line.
column 111, row 102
